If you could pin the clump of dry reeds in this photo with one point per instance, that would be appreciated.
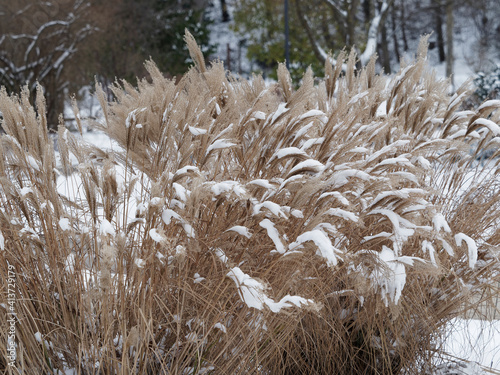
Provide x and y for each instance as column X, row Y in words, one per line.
column 244, row 228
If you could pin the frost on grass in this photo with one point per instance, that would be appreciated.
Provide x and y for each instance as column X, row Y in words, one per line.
column 234, row 216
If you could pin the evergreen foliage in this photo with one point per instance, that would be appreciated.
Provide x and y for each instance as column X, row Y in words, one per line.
column 488, row 85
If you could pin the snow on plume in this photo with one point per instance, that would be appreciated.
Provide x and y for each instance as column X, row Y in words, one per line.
column 259, row 115
column 492, row 126
column 271, row 206
column 288, row 151
column 272, row 232
column 106, row 228
column 185, row 170
column 281, row 109
column 156, row 236
column 140, row 263
column 132, row 116
column 342, row 177
column 403, row 229
column 322, row 242
column 64, row 224
column 227, row 187
column 337, row 195
column 471, row 245
column 427, row 246
column 244, row 231
column 33, row 163
column 391, row 277
column 262, row 183
column 315, row 165
column 251, row 291
column 347, row 215
column 25, row 191
column 219, row 144
column 440, row 223
column 197, row 131
column 169, row 214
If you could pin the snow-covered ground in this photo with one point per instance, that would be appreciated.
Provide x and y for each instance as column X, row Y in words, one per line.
column 475, row 340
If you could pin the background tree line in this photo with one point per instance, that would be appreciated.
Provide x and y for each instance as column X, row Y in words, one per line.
column 64, row 44
column 390, row 28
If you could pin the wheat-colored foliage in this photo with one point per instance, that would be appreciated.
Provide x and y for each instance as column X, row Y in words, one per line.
column 245, row 228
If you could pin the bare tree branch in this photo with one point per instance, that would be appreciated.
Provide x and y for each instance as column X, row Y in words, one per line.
column 319, row 52
column 374, row 30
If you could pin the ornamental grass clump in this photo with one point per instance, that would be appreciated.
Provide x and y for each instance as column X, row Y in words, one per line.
column 246, row 228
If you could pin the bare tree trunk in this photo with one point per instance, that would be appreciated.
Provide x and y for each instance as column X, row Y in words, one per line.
column 351, row 23
column 225, row 13
column 327, row 36
column 394, row 34
column 449, row 39
column 439, row 29
column 403, row 26
column 367, row 10
column 340, row 18
column 318, row 52
column 386, row 59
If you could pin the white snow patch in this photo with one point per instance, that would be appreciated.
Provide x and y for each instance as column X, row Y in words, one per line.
column 185, row 170
column 381, row 109
column 156, row 236
column 472, row 247
column 106, row 228
column 33, row 163
column 308, row 164
column 342, row 177
column 220, row 326
column 228, row 186
column 322, row 242
column 244, row 231
column 168, row 214
column 140, row 263
column 64, row 223
column 25, row 191
column 311, row 113
column 347, row 215
column 251, row 292
column 392, row 277
column 221, row 255
column 281, row 109
column 492, row 127
column 197, row 131
column 262, row 183
column 440, row 223
column 197, row 278
column 287, row 152
column 273, row 233
column 259, row 115
column 271, row 206
column 427, row 246
column 219, row 144
column 337, row 195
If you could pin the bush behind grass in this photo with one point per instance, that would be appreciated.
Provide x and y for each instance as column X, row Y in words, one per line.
column 244, row 228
